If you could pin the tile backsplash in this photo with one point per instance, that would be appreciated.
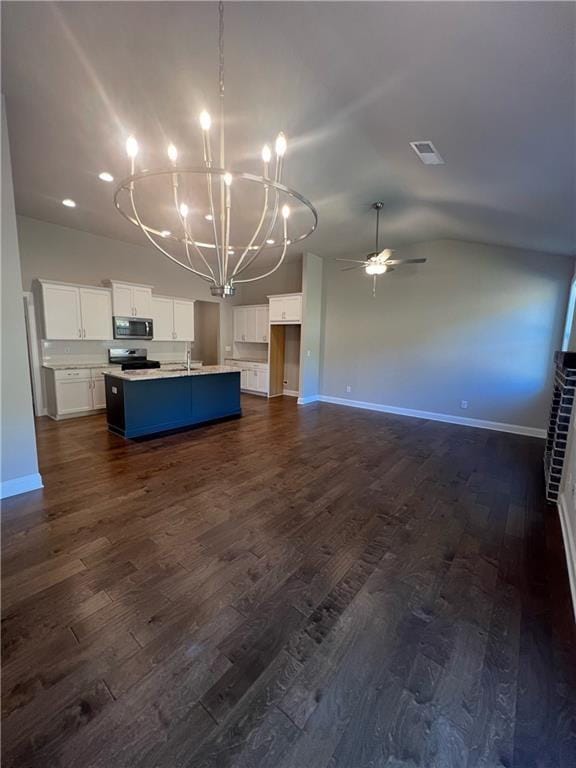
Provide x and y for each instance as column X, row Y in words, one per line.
column 97, row 351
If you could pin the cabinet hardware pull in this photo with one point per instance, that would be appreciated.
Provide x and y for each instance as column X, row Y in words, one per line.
column 79, row 333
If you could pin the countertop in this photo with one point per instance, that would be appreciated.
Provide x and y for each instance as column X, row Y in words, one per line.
column 247, row 360
column 158, row 373
column 104, row 364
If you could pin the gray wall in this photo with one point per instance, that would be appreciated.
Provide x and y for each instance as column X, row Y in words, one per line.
column 477, row 323
column 18, row 440
column 58, row 253
column 312, row 278
column 286, row 279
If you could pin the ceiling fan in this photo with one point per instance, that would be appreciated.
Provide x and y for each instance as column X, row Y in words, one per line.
column 378, row 262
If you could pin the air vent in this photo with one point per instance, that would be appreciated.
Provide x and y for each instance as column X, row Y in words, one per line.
column 427, row 152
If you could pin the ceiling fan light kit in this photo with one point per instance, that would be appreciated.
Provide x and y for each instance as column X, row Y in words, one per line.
column 380, row 262
column 215, row 257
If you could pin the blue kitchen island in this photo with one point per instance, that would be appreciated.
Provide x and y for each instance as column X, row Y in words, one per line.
column 145, row 402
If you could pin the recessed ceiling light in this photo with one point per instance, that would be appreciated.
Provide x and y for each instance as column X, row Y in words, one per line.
column 208, row 217
column 165, row 232
column 69, row 203
column 105, row 176
column 270, row 242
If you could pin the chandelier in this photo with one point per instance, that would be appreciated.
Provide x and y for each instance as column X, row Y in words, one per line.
column 186, row 212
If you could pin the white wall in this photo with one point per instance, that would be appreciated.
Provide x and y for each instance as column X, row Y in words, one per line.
column 59, row 253
column 19, row 461
column 477, row 323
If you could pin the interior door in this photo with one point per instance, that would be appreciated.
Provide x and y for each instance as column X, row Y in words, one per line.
column 96, row 306
column 142, row 299
column 122, row 301
column 183, row 320
column 163, row 318
column 62, row 317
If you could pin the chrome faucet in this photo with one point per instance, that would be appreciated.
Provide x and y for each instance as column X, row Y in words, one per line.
column 188, row 357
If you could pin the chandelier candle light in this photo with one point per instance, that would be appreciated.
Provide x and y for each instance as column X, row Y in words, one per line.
column 212, row 254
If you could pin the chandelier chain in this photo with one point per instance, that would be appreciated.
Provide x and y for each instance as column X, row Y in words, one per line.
column 221, row 47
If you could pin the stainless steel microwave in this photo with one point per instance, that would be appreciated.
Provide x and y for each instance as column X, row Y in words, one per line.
column 133, row 328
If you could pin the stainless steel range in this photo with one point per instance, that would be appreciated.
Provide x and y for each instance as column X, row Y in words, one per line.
column 131, row 359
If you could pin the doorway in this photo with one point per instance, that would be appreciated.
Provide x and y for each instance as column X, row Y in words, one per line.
column 206, row 331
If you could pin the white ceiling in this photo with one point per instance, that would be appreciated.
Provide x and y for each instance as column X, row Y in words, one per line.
column 491, row 84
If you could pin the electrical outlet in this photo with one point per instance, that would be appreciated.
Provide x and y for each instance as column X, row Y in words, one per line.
column 348, row 388
column 228, row 348
column 67, row 350
column 308, row 353
column 464, row 404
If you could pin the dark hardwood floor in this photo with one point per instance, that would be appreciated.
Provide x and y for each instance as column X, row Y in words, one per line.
column 301, row 588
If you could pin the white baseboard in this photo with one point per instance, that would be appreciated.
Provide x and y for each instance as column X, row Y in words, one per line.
column 290, row 393
column 20, row 485
column 309, row 399
column 497, row 426
column 568, row 523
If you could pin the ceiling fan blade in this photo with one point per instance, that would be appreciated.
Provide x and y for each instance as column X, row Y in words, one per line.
column 406, row 261
column 347, row 269
column 356, row 261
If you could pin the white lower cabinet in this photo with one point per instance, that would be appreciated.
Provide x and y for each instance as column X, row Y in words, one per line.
column 74, row 391
column 99, row 393
column 253, row 376
column 73, row 396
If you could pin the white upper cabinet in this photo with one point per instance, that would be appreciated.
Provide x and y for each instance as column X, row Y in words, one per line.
column 130, row 300
column 173, row 319
column 142, row 297
column 76, row 312
column 183, row 320
column 240, row 323
column 286, row 308
column 262, row 324
column 96, row 308
column 251, row 324
column 62, row 318
column 163, row 318
column 122, row 300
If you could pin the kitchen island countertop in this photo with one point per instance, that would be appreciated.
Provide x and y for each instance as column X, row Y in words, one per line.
column 153, row 374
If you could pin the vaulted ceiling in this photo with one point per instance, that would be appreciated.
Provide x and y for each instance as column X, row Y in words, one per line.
column 351, row 84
